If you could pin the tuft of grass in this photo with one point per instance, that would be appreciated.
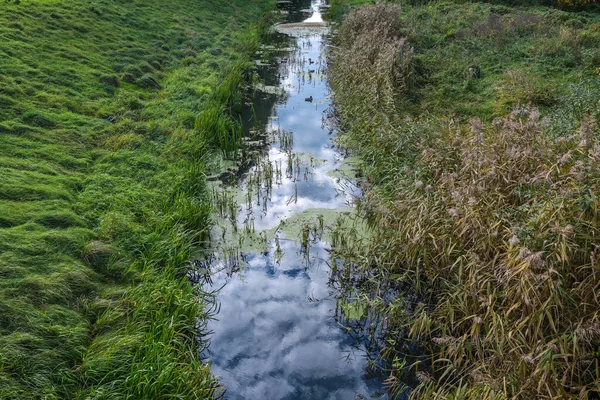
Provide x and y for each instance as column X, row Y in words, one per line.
column 521, row 87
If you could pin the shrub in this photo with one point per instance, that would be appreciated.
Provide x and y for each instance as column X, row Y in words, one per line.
column 487, row 233
column 500, row 224
column 523, row 87
column 381, row 19
column 506, row 238
column 372, row 58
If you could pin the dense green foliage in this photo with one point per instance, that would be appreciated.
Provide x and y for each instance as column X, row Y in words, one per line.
column 102, row 197
column 478, row 127
column 340, row 7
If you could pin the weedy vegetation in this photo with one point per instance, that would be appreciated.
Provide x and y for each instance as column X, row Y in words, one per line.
column 109, row 111
column 477, row 124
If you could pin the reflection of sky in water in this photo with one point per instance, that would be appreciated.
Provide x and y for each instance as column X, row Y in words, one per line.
column 304, row 119
column 275, row 336
column 316, row 190
column 316, row 12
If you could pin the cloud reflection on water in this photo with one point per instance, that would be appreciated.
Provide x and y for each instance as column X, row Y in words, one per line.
column 276, row 336
column 273, row 343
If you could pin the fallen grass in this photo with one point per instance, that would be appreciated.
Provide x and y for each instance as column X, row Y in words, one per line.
column 102, row 196
column 479, row 135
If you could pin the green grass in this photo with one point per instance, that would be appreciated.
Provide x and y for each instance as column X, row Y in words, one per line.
column 553, row 46
column 481, row 151
column 101, row 192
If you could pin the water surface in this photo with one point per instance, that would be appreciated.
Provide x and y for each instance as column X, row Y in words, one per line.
column 278, row 334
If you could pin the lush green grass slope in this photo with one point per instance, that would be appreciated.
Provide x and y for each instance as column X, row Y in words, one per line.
column 478, row 124
column 101, row 189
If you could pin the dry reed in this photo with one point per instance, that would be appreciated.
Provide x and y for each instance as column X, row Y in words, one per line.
column 497, row 224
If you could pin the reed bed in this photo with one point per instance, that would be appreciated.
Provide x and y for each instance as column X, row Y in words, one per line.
column 487, row 229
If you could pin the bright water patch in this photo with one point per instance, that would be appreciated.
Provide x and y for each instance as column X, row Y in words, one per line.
column 278, row 334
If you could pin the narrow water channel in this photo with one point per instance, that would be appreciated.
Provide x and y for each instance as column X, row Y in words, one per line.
column 277, row 334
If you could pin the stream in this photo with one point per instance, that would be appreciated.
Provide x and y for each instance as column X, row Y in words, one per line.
column 278, row 333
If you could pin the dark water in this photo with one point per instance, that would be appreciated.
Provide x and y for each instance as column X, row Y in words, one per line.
column 277, row 334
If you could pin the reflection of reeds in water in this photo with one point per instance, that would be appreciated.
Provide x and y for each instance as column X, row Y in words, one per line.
column 249, row 226
column 278, row 173
column 267, row 174
column 294, row 197
column 289, row 172
column 261, row 174
column 232, row 260
column 321, row 220
column 259, row 183
column 286, row 141
column 344, row 239
column 278, row 250
column 305, row 240
column 224, row 203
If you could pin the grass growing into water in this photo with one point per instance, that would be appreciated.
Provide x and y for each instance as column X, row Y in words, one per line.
column 108, row 111
column 478, row 127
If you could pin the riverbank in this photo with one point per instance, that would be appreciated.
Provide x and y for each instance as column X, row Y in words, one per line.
column 478, row 127
column 109, row 112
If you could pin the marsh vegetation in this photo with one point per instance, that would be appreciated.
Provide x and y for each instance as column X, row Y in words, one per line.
column 477, row 124
column 172, row 172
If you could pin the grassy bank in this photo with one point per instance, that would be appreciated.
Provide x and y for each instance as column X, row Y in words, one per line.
column 108, row 112
column 478, row 126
